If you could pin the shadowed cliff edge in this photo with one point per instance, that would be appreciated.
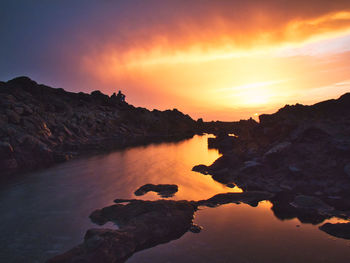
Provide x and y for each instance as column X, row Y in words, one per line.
column 40, row 125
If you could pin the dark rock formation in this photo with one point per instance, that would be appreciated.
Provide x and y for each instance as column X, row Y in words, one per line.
column 300, row 153
column 341, row 230
column 164, row 190
column 299, row 149
column 201, row 168
column 252, row 198
column 40, row 125
column 143, row 224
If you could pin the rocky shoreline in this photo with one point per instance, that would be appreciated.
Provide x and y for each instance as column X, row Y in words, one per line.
column 144, row 224
column 40, row 125
column 301, row 154
column 298, row 159
column 303, row 149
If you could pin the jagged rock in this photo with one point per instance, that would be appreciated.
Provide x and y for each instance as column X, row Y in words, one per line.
column 164, row 190
column 61, row 122
column 299, row 149
column 201, row 168
column 252, row 198
column 143, row 224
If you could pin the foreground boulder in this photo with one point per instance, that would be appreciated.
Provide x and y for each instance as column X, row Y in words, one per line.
column 142, row 224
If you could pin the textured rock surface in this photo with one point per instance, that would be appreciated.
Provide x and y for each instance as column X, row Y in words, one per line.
column 40, row 125
column 143, row 224
column 299, row 149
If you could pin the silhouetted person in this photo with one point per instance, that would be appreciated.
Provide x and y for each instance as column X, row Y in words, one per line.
column 119, row 95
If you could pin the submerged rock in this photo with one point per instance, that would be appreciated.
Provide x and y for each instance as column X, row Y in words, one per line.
column 164, row 190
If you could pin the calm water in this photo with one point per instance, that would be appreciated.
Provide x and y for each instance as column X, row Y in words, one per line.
column 46, row 212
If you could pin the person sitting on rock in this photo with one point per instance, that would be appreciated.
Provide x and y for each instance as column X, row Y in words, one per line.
column 120, row 96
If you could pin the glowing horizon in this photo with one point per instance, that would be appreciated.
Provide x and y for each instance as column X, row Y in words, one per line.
column 222, row 60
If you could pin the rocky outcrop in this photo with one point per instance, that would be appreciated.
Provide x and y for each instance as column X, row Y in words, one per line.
column 301, row 154
column 303, row 149
column 40, row 125
column 163, row 190
column 144, row 224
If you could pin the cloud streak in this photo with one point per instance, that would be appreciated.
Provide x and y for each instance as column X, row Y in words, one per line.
column 166, row 54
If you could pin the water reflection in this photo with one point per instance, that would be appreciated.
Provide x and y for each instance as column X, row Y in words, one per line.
column 46, row 212
column 241, row 233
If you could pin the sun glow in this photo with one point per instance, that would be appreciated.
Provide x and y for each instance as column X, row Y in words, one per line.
column 223, row 73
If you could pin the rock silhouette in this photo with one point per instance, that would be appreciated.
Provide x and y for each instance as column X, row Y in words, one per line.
column 164, row 190
column 40, row 125
column 143, row 224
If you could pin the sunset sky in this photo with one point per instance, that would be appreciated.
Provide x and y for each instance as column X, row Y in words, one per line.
column 220, row 60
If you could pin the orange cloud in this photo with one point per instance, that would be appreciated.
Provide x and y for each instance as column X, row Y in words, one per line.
column 225, row 58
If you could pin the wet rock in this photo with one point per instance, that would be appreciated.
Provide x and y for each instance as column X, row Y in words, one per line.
column 143, row 224
column 195, row 229
column 252, row 198
column 340, row 230
column 299, row 149
column 201, row 168
column 164, row 190
column 77, row 122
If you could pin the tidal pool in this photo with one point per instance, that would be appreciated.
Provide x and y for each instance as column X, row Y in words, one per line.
column 45, row 213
